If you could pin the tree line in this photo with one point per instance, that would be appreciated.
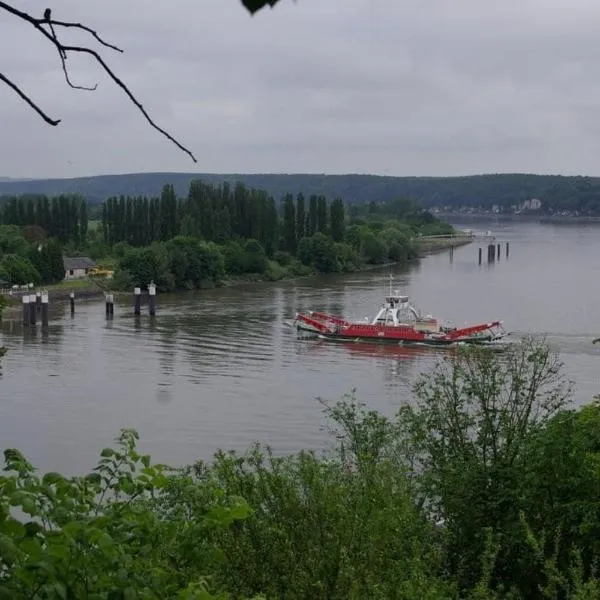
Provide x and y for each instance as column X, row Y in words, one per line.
column 63, row 217
column 213, row 232
column 484, row 486
column 218, row 230
column 219, row 213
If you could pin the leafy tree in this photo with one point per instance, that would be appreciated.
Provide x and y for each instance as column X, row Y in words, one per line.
column 312, row 218
column 289, row 224
column 399, row 246
column 130, row 529
column 560, row 497
column 255, row 258
column 323, row 254
column 18, row 270
column 304, row 253
column 322, row 220
column 374, row 248
column 300, row 217
column 469, row 434
column 338, row 217
column 47, row 258
column 168, row 213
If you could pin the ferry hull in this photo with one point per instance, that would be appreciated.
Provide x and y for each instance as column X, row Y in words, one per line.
column 337, row 329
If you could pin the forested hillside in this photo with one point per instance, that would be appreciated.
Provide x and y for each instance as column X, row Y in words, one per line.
column 557, row 193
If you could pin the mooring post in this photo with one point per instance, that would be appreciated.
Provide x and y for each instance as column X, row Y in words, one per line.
column 38, row 301
column 72, row 302
column 32, row 309
column 480, row 252
column 451, row 253
column 44, row 303
column 498, row 251
column 506, row 249
column 26, row 310
column 137, row 301
column 110, row 306
column 491, row 253
column 152, row 299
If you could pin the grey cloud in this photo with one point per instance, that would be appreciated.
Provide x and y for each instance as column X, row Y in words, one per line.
column 385, row 86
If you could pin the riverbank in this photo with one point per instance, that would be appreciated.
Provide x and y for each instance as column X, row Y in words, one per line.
column 84, row 289
column 433, row 245
column 508, row 218
column 90, row 289
column 425, row 247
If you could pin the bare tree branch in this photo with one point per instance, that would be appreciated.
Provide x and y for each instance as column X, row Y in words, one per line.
column 89, row 30
column 28, row 100
column 63, row 51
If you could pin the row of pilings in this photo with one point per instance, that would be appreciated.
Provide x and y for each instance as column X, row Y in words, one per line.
column 494, row 252
column 36, row 306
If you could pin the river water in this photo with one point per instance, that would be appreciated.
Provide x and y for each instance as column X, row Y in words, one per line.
column 221, row 368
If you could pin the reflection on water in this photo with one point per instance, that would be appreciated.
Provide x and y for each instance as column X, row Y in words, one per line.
column 222, row 368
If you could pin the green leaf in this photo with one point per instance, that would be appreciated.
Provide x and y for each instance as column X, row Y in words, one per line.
column 107, row 452
column 17, row 498
column 94, row 478
column 105, row 541
column 13, row 528
column 30, row 507
column 52, row 478
column 59, row 551
column 31, row 547
column 129, row 594
column 8, row 549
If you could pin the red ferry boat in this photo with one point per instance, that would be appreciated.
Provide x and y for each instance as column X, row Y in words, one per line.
column 398, row 321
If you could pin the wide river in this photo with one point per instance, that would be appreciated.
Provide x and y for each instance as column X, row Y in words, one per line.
column 221, row 369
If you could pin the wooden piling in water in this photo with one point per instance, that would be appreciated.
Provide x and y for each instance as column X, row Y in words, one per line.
column 110, row 306
column 72, row 302
column 32, row 309
column 152, row 299
column 506, row 249
column 498, row 251
column 137, row 301
column 480, row 253
column 491, row 253
column 26, row 310
column 44, row 304
column 38, row 301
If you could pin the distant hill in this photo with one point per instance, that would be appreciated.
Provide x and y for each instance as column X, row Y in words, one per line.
column 557, row 192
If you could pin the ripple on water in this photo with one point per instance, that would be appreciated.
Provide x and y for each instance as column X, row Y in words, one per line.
column 219, row 369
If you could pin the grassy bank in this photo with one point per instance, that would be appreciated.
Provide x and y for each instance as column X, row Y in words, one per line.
column 59, row 292
column 432, row 245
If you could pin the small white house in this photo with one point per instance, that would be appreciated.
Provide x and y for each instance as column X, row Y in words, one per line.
column 78, row 267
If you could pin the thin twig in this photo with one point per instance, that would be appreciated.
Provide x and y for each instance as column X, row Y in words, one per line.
column 28, row 100
column 63, row 57
column 133, row 99
column 89, row 30
column 63, row 50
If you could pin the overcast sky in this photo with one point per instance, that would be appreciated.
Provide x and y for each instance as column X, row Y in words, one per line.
column 397, row 87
